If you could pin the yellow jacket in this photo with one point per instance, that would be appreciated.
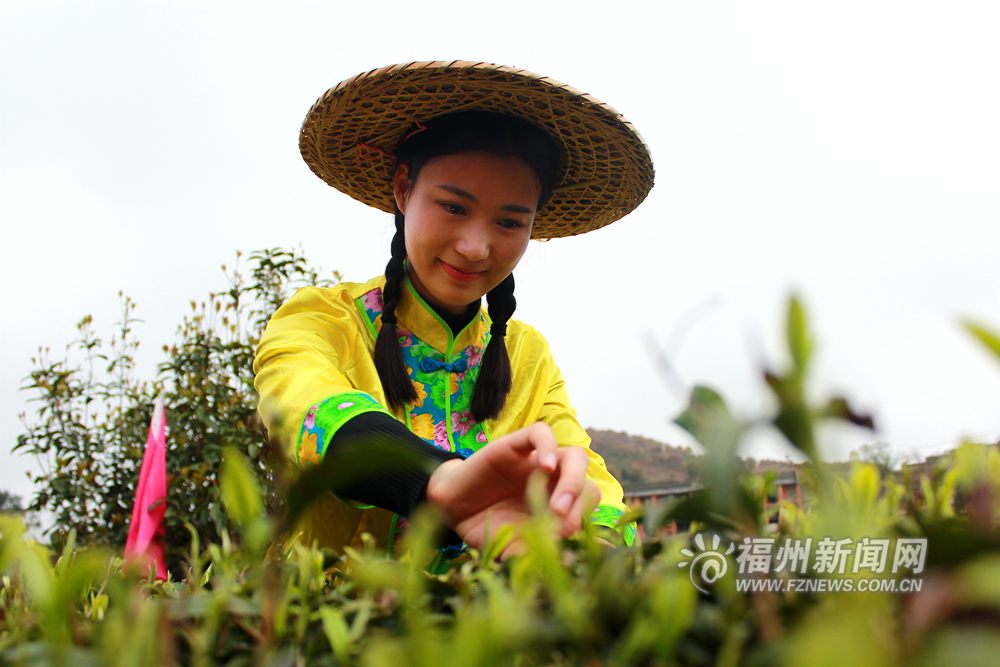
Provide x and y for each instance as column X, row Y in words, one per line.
column 315, row 371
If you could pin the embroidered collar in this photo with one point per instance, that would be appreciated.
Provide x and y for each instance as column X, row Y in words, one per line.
column 457, row 321
column 414, row 314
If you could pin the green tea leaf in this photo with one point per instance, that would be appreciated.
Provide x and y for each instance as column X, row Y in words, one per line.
column 335, row 629
column 800, row 343
column 978, row 582
column 839, row 408
column 241, row 494
column 961, row 647
column 865, row 485
column 708, row 419
column 989, row 338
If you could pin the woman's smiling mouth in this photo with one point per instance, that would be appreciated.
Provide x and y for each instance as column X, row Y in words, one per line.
column 459, row 274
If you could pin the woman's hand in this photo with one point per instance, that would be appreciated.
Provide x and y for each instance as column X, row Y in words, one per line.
column 489, row 487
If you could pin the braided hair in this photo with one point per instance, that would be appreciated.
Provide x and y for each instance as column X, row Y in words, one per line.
column 388, row 356
column 466, row 131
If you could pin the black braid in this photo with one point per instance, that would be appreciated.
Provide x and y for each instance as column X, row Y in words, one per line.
column 494, row 381
column 388, row 356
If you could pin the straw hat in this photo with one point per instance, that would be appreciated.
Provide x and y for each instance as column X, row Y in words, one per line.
column 349, row 135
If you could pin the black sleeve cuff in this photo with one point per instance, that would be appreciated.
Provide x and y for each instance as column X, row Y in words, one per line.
column 375, row 459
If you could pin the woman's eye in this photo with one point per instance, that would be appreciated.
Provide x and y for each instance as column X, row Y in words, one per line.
column 452, row 208
column 511, row 224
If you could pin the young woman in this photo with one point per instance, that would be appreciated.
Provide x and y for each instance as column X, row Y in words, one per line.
column 404, row 387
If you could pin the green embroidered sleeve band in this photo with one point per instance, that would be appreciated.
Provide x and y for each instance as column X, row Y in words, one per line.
column 323, row 420
column 606, row 515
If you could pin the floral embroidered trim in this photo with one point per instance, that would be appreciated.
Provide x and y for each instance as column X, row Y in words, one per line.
column 607, row 515
column 441, row 414
column 325, row 418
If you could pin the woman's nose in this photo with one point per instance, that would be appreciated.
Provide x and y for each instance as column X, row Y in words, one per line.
column 473, row 244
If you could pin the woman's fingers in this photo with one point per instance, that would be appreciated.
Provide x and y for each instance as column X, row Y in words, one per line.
column 536, row 440
column 589, row 496
column 497, row 472
column 496, row 476
column 572, row 475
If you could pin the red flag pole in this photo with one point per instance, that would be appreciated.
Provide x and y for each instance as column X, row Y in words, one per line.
column 146, row 532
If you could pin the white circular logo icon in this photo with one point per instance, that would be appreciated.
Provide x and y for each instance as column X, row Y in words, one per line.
column 707, row 565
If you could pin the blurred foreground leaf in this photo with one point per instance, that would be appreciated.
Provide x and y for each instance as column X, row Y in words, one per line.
column 988, row 337
column 240, row 492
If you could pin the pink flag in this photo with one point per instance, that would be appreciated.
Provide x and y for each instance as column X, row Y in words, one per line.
column 146, row 533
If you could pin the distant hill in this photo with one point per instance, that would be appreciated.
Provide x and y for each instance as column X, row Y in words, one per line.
column 634, row 459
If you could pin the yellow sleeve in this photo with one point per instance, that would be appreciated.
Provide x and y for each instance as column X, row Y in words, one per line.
column 559, row 414
column 301, row 366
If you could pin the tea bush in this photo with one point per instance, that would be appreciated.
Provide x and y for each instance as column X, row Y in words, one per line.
column 577, row 602
column 256, row 595
column 92, row 413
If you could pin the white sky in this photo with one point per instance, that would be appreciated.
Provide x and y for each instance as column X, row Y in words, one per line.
column 847, row 150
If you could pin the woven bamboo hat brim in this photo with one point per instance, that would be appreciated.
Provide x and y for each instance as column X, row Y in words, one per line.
column 349, row 135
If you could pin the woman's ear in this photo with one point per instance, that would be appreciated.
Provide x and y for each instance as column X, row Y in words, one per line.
column 401, row 186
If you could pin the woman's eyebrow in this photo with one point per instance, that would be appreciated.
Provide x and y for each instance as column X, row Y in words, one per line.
column 513, row 208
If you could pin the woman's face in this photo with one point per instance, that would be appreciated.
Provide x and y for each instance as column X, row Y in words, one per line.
column 468, row 221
